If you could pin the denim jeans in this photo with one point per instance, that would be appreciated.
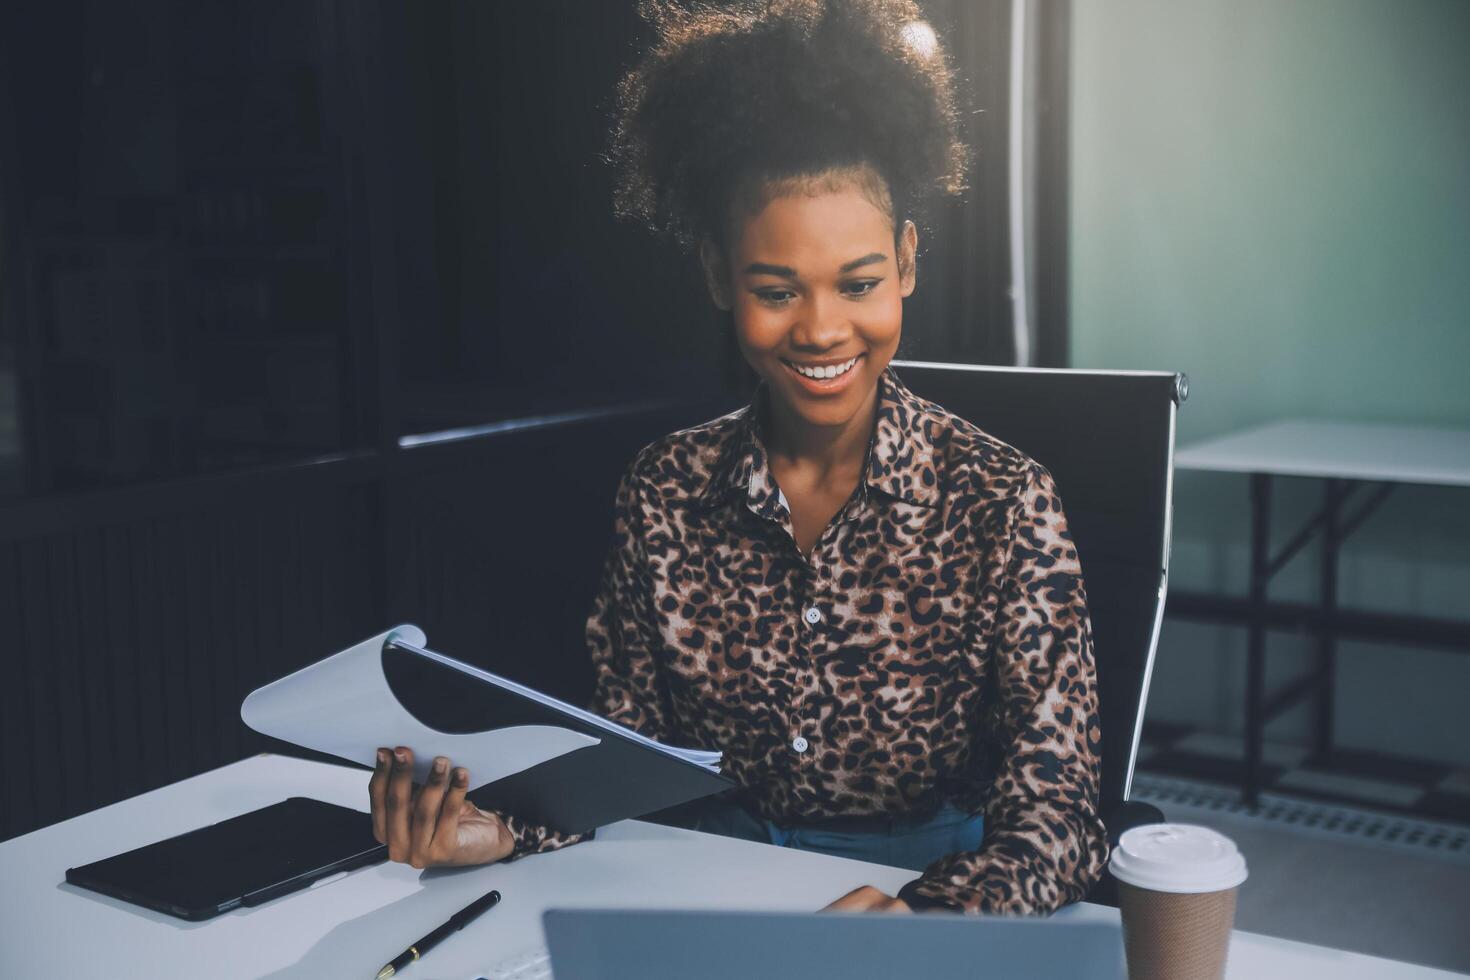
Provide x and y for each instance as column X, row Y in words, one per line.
column 900, row 842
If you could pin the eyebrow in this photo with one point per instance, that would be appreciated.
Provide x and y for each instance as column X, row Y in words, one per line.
column 766, row 269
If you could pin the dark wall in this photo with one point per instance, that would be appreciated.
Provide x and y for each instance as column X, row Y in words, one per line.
column 249, row 233
column 131, row 637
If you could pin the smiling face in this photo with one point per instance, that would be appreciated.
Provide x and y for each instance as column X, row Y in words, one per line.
column 816, row 281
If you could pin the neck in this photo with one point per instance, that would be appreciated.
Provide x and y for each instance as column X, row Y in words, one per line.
column 828, row 449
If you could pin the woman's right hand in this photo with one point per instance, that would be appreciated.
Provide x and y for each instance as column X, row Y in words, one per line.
column 432, row 824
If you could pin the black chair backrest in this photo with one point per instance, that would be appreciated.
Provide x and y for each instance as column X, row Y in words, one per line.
column 1107, row 437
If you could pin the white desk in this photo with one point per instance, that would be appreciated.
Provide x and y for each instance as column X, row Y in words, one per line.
column 351, row 926
column 1347, row 457
column 1343, row 450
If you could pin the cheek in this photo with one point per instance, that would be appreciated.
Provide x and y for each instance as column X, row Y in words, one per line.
column 881, row 322
column 760, row 329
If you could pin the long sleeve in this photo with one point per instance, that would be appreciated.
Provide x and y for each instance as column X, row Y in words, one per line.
column 622, row 632
column 621, row 638
column 1044, row 843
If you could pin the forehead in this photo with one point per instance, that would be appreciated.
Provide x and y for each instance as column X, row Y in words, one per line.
column 814, row 227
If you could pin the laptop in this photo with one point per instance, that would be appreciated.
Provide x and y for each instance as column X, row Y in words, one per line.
column 628, row 944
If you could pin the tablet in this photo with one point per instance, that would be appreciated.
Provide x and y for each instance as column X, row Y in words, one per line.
column 245, row 860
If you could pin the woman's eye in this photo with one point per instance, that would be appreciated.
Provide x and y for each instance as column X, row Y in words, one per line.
column 780, row 297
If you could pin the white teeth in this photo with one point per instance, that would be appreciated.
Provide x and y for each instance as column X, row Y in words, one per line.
column 830, row 371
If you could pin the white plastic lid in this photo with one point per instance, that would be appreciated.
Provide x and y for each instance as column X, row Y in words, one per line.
column 1177, row 857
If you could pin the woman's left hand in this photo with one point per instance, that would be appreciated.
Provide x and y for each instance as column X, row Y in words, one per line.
column 868, row 899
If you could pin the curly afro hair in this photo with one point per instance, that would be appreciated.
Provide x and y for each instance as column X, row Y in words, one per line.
column 735, row 96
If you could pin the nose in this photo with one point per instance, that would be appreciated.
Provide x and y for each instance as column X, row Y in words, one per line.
column 822, row 326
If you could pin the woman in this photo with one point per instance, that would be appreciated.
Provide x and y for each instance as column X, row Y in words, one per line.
column 872, row 607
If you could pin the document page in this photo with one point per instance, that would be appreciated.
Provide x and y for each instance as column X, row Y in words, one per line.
column 343, row 706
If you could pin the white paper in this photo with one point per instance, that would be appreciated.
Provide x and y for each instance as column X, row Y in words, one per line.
column 343, row 706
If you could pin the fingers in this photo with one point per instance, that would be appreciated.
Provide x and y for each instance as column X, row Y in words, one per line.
column 377, row 796
column 426, row 810
column 400, row 805
column 856, row 900
column 446, row 832
column 867, row 899
column 420, row 827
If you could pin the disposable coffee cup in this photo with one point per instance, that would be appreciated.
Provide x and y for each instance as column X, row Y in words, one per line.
column 1176, row 888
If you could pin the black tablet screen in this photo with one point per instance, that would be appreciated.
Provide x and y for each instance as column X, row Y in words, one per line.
column 200, row 873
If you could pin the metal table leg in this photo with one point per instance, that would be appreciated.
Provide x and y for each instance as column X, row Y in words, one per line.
column 1255, row 679
column 1327, row 639
column 1257, row 613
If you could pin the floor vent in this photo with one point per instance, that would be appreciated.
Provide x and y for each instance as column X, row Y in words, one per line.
column 1423, row 837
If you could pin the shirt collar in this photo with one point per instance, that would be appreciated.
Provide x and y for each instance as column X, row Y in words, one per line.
column 900, row 454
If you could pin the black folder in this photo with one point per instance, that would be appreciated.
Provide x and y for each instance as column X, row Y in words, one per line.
column 622, row 776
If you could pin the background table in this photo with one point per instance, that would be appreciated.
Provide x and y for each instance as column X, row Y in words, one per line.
column 1346, row 456
column 351, row 926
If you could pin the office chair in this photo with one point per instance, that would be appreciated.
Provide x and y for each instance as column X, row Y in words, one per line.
column 1108, row 439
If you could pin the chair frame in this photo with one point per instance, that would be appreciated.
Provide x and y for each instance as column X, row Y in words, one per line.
column 1118, row 814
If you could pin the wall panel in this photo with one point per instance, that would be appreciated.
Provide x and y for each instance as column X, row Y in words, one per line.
column 132, row 643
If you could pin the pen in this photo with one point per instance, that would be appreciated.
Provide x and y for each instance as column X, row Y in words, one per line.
column 456, row 922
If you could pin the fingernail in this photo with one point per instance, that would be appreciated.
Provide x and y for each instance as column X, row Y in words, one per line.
column 401, row 756
column 382, row 758
column 461, row 777
column 440, row 764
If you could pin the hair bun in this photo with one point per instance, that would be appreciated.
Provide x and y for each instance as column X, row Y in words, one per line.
column 781, row 88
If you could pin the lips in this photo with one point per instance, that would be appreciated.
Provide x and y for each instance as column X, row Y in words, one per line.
column 824, row 370
column 825, row 386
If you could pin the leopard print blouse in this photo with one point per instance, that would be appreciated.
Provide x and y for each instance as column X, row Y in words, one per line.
column 935, row 646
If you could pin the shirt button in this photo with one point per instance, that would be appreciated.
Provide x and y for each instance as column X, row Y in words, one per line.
column 799, row 744
column 814, row 615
